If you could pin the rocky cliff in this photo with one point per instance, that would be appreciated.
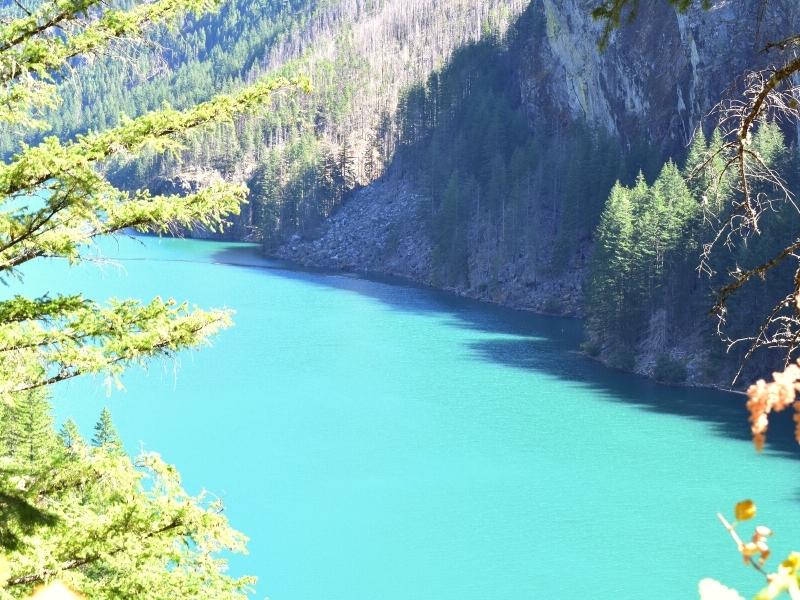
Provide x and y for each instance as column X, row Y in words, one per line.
column 659, row 77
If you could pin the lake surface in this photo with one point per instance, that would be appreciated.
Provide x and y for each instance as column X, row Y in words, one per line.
column 382, row 441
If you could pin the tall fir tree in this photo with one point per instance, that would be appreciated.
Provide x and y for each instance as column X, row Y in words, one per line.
column 608, row 296
column 70, row 435
column 105, row 433
column 28, row 430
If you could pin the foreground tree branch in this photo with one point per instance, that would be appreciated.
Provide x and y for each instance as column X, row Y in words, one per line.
column 87, row 515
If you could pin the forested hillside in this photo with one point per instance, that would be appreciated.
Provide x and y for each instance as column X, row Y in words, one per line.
column 473, row 146
column 498, row 193
column 303, row 156
column 647, row 290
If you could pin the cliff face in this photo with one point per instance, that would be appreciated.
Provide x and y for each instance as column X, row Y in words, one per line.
column 651, row 88
column 658, row 77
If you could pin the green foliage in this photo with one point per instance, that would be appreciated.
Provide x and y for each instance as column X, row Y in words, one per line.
column 669, row 370
column 303, row 158
column 645, row 234
column 466, row 125
column 30, row 54
column 108, row 526
column 609, row 299
column 56, row 201
column 449, row 229
column 643, row 278
column 105, row 434
column 70, row 435
column 28, row 430
column 112, row 527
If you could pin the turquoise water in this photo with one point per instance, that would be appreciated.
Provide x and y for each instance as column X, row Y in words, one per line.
column 382, row 441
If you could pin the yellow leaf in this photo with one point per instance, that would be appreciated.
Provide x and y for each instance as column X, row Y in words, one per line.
column 746, row 509
column 792, row 562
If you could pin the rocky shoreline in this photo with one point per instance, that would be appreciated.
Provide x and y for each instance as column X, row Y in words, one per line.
column 379, row 230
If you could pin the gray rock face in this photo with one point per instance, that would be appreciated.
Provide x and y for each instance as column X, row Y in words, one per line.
column 377, row 230
column 658, row 78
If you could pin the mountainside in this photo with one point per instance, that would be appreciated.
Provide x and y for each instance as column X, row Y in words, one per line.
column 467, row 145
column 520, row 231
column 659, row 77
column 301, row 159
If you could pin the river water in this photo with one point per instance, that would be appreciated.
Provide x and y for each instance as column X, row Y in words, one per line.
column 380, row 441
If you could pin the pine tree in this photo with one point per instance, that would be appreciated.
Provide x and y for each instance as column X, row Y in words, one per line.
column 29, row 430
column 345, row 166
column 135, row 530
column 266, row 196
column 770, row 145
column 704, row 172
column 608, row 301
column 70, row 435
column 645, row 239
column 696, row 168
column 330, row 181
column 105, row 433
column 371, row 160
column 93, row 518
column 679, row 208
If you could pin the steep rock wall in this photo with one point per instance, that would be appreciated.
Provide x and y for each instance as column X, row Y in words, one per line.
column 659, row 77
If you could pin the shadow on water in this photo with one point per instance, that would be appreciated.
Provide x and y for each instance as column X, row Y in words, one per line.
column 536, row 343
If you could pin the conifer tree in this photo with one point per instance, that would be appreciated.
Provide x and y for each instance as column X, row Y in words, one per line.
column 646, row 243
column 371, row 160
column 699, row 174
column 705, row 173
column 113, row 527
column 105, row 433
column 345, row 163
column 680, row 209
column 29, row 430
column 449, row 231
column 70, row 435
column 330, row 181
column 608, row 297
